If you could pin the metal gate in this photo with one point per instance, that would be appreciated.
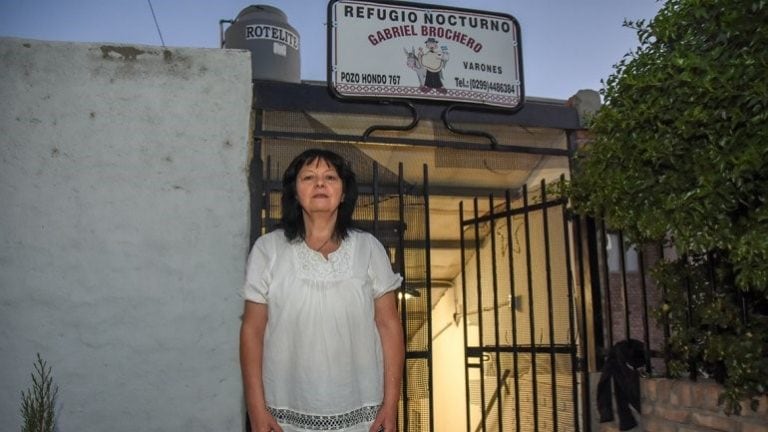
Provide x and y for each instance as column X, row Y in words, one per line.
column 396, row 203
column 397, row 213
column 521, row 365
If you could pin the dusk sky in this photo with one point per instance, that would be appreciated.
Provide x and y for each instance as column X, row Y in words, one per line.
column 567, row 45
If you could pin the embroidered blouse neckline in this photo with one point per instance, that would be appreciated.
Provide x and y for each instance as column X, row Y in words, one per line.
column 313, row 265
column 320, row 254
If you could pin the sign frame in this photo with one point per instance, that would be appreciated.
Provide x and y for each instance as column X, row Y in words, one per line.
column 483, row 85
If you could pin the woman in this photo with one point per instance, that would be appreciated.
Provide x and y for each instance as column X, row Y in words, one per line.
column 321, row 346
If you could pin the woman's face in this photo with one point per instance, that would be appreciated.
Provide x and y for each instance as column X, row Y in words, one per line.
column 319, row 187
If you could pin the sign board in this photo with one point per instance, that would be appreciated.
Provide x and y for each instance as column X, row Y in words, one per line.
column 379, row 49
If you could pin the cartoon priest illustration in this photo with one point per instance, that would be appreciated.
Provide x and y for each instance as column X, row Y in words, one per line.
column 434, row 61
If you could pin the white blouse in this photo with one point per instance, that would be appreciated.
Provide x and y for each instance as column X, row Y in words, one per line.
column 323, row 364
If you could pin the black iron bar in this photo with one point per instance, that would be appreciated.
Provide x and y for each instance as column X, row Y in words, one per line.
column 375, row 181
column 458, row 145
column 692, row 370
column 531, row 315
column 560, row 349
column 644, row 292
column 410, row 355
column 550, row 307
column 583, row 333
column 513, row 308
column 608, row 306
column 743, row 307
column 595, row 290
column 479, row 307
column 573, row 146
column 428, row 269
column 267, row 198
column 711, row 272
column 571, row 306
column 741, row 299
column 495, row 284
column 403, row 304
column 416, row 244
column 472, row 132
column 519, row 211
column 624, row 286
column 664, row 299
column 449, row 191
column 409, row 126
column 496, row 399
column 309, row 98
column 464, row 313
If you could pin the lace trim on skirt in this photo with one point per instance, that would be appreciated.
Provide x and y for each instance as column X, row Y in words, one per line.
column 325, row 422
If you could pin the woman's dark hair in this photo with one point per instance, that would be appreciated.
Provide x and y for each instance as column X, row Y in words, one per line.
column 292, row 220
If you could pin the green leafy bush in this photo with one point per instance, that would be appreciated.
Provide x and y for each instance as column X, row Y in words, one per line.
column 680, row 153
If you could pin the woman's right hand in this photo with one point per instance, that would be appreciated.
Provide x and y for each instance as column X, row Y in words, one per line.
column 264, row 422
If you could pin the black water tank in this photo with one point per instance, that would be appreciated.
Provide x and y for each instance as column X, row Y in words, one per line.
column 274, row 44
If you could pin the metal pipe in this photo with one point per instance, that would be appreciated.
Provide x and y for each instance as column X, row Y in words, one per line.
column 221, row 31
column 441, row 331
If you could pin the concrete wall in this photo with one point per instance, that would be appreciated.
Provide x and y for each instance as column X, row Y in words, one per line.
column 123, row 232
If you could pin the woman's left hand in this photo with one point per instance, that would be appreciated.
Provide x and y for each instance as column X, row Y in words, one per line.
column 386, row 420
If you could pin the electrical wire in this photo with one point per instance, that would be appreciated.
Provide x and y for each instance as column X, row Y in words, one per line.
column 156, row 24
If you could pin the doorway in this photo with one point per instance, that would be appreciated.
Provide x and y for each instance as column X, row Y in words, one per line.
column 417, row 195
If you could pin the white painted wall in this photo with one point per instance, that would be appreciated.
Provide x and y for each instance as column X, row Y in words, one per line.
column 448, row 374
column 123, row 232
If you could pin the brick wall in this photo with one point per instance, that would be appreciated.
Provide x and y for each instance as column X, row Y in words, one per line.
column 685, row 406
column 634, row 300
